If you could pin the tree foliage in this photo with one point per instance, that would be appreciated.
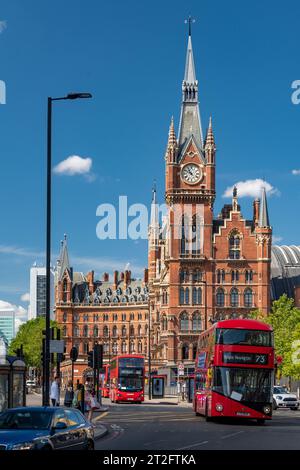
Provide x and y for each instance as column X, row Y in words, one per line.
column 285, row 320
column 30, row 335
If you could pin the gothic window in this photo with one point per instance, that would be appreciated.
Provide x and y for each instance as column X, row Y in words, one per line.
column 234, row 297
column 131, row 350
column 76, row 330
column 85, row 317
column 123, row 316
column 115, row 331
column 131, row 330
column 115, row 347
column 194, row 351
column 197, row 276
column 124, row 347
column 139, row 330
column 65, row 316
column 105, row 317
column 248, row 297
column 132, row 316
column 96, row 332
column 196, row 235
column 123, row 330
column 115, row 317
column 184, row 322
column 85, row 348
column 197, row 295
column 64, row 330
column 105, row 331
column 164, row 323
column 140, row 347
column 234, row 246
column 85, row 331
column 146, row 329
column 164, row 298
column 65, row 290
column 76, row 317
column 185, row 351
column 234, row 276
column 105, row 348
column 220, row 297
column 187, row 296
column 248, row 276
column 197, row 323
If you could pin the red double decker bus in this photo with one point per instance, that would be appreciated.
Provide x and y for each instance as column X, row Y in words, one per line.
column 105, row 381
column 234, row 371
column 127, row 378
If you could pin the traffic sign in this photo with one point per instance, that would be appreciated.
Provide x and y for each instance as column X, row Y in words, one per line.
column 57, row 346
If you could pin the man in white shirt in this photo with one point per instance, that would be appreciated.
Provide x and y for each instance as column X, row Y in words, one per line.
column 55, row 392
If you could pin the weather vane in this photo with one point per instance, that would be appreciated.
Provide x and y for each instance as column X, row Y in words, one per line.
column 189, row 21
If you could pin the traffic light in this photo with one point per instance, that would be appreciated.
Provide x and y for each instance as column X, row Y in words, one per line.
column 98, row 356
column 91, row 359
column 74, row 354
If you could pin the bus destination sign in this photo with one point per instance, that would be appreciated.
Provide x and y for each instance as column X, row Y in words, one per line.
column 244, row 358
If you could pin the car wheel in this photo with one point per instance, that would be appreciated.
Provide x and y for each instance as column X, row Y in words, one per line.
column 90, row 445
column 274, row 405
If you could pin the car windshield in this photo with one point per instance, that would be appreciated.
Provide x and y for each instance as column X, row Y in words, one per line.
column 25, row 420
column 244, row 384
column 244, row 337
column 280, row 390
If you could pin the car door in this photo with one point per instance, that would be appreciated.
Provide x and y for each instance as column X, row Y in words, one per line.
column 60, row 437
column 76, row 427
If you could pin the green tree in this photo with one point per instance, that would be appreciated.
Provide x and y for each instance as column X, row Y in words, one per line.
column 285, row 320
column 30, row 335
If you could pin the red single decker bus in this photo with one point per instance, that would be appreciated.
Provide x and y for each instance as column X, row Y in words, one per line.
column 105, row 381
column 234, row 371
column 127, row 378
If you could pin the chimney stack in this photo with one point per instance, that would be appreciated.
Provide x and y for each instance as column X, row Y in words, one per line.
column 127, row 278
column 122, row 276
column 256, row 207
column 105, row 277
column 116, row 274
column 90, row 279
column 146, row 276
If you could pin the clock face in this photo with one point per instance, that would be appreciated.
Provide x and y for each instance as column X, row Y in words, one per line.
column 191, row 173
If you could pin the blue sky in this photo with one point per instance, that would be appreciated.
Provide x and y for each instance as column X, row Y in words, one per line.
column 131, row 56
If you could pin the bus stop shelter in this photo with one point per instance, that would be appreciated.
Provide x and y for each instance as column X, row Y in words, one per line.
column 12, row 382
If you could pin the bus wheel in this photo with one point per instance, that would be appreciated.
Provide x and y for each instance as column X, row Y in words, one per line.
column 260, row 421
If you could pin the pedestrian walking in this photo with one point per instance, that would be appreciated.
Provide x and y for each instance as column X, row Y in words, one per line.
column 55, row 391
column 69, row 394
column 77, row 398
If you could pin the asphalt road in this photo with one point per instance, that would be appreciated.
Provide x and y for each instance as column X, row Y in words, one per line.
column 172, row 427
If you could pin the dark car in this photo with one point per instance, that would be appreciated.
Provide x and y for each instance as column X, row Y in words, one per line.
column 45, row 428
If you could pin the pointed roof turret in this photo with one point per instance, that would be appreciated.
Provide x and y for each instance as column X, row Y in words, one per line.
column 190, row 123
column 210, row 139
column 263, row 211
column 154, row 207
column 64, row 262
column 171, row 151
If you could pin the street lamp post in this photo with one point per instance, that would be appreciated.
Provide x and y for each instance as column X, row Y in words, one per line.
column 70, row 96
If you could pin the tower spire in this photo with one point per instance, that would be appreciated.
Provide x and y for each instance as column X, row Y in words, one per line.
column 64, row 262
column 190, row 123
column 210, row 139
column 263, row 212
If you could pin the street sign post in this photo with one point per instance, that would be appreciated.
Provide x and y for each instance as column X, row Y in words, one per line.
column 57, row 346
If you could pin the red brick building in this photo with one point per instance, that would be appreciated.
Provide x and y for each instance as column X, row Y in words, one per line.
column 112, row 312
column 201, row 268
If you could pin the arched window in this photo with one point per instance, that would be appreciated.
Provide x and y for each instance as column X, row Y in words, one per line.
column 65, row 316
column 197, row 323
column 131, row 351
column 123, row 330
column 234, row 276
column 76, row 330
column 124, row 347
column 85, row 348
column 181, row 295
column 139, row 330
column 196, row 235
column 220, row 297
column 185, row 351
column 187, row 296
column 65, row 290
column 131, row 330
column 105, row 348
column 164, row 323
column 140, row 347
column 248, row 297
column 234, row 297
column 194, row 351
column 115, row 347
column 197, row 276
column 197, row 295
column 85, row 331
column 64, row 330
column 96, row 331
column 105, row 331
column 234, row 246
column 184, row 321
column 115, row 331
column 248, row 276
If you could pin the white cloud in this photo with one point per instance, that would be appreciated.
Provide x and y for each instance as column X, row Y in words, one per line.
column 25, row 297
column 74, row 165
column 251, row 188
column 3, row 26
column 296, row 172
column 276, row 239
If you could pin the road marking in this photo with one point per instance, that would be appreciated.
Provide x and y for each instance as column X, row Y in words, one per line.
column 232, row 434
column 193, row 445
column 101, row 416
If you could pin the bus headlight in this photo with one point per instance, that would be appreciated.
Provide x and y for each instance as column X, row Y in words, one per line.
column 219, row 407
column 267, row 410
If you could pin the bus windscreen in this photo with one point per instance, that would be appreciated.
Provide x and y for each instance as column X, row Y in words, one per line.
column 230, row 336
